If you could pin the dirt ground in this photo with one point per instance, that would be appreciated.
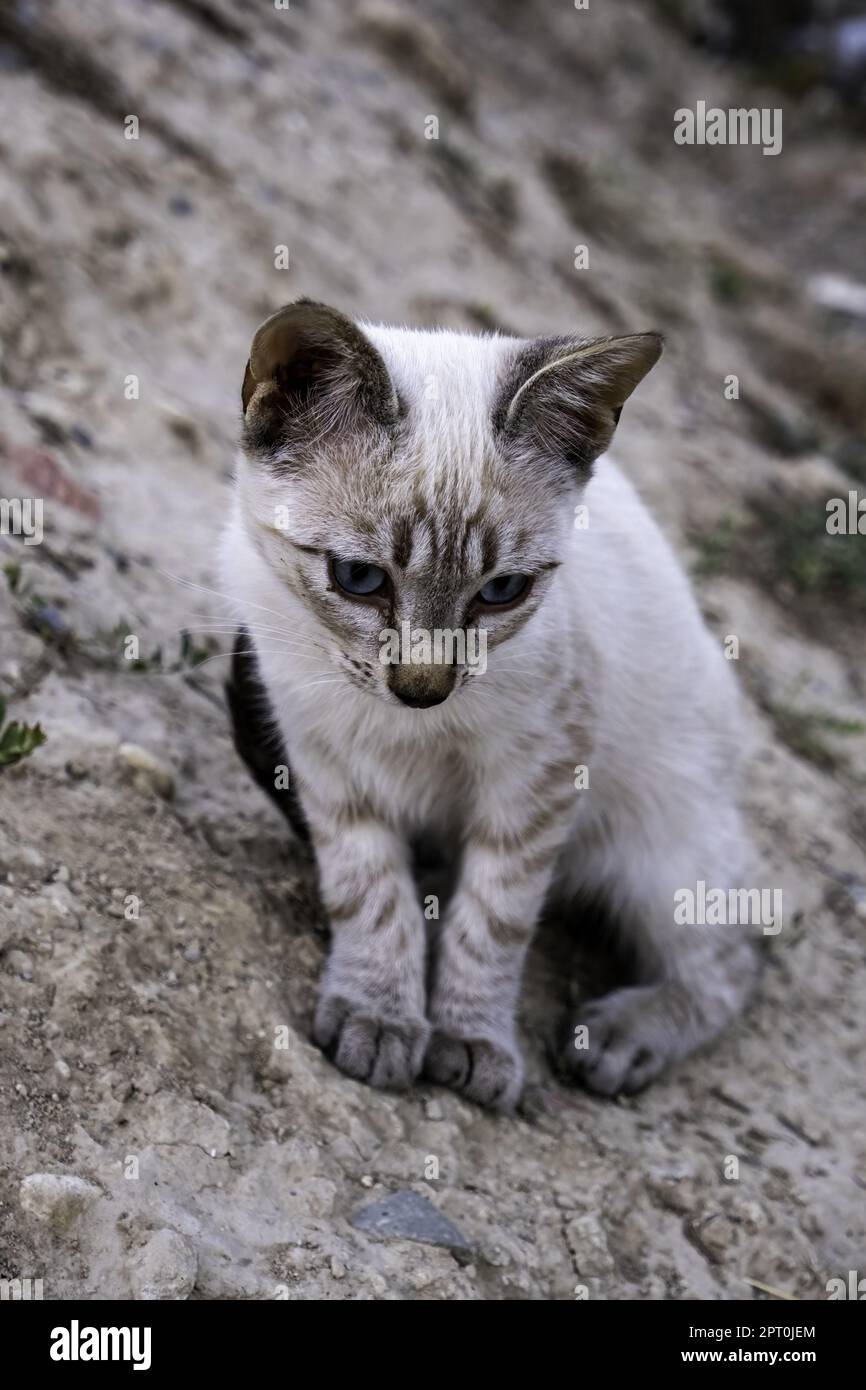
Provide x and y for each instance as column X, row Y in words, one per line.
column 166, row 1128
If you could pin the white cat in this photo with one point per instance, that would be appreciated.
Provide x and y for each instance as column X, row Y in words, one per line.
column 400, row 482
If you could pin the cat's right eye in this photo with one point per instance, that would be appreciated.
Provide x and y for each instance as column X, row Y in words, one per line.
column 358, row 579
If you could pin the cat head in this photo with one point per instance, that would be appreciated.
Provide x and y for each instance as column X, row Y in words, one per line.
column 406, row 484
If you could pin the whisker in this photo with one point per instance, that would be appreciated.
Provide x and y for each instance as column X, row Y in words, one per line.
column 199, row 665
column 268, row 635
column 294, row 643
column 204, row 589
column 327, row 680
column 233, row 628
column 250, row 623
column 269, row 629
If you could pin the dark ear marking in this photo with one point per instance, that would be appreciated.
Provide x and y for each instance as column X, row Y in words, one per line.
column 311, row 372
column 562, row 398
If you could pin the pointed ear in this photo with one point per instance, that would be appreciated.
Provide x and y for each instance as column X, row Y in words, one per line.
column 311, row 372
column 563, row 397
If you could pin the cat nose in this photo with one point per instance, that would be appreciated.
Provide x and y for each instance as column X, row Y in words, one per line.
column 420, row 701
column 420, row 686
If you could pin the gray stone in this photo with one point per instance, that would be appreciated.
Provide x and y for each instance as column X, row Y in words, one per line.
column 19, row 963
column 56, row 1199
column 406, row 1215
column 165, row 1269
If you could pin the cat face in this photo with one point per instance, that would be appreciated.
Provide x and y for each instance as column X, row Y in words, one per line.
column 412, row 490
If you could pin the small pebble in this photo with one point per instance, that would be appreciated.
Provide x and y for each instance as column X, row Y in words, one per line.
column 147, row 773
column 406, row 1215
column 165, row 1268
column 56, row 1199
column 20, row 964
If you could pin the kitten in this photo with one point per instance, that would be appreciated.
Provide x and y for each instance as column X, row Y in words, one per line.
column 409, row 483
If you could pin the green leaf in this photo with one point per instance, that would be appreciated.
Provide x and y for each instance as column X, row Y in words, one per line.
column 18, row 741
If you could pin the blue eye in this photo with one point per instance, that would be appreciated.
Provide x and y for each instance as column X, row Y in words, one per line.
column 357, row 577
column 505, row 588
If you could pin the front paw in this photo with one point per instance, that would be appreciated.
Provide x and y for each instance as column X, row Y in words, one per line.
column 385, row 1051
column 486, row 1070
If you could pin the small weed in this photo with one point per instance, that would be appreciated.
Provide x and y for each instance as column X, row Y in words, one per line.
column 802, row 731
column 784, row 547
column 17, row 741
column 716, row 548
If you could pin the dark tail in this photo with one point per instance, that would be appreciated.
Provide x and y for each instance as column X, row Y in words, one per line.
column 256, row 736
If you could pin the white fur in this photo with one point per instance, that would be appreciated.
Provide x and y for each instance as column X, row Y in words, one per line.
column 655, row 710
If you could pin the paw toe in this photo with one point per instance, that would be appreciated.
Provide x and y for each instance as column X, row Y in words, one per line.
column 627, row 1068
column 331, row 1011
column 400, row 1055
column 387, row 1052
column 447, row 1061
column 622, row 1042
column 357, row 1047
column 480, row 1069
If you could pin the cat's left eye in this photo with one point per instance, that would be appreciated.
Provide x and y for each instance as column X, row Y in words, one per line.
column 505, row 588
column 357, row 578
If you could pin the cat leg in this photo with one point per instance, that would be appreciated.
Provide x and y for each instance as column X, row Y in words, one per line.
column 692, row 980
column 370, row 1018
column 503, row 882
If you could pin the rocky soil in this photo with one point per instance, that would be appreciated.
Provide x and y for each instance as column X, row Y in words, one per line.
column 166, row 1128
